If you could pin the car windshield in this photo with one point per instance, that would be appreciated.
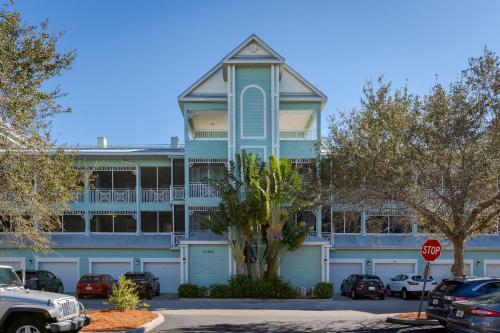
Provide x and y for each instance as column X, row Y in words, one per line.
column 136, row 276
column 420, row 278
column 9, row 278
column 90, row 279
column 449, row 286
column 368, row 277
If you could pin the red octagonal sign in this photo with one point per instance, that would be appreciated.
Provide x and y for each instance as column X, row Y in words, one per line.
column 431, row 250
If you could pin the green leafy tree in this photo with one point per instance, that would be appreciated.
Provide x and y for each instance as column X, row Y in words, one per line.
column 438, row 155
column 256, row 203
column 37, row 181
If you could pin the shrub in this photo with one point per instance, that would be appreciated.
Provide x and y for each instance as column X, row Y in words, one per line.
column 220, row 291
column 323, row 290
column 241, row 286
column 189, row 290
column 124, row 295
column 281, row 289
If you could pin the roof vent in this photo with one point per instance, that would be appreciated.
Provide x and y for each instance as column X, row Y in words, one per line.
column 174, row 141
column 102, row 142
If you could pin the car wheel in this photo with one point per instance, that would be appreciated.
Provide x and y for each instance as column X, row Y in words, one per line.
column 353, row 294
column 28, row 325
column 149, row 294
column 60, row 290
column 442, row 322
column 404, row 294
column 388, row 291
column 157, row 293
column 381, row 297
column 42, row 288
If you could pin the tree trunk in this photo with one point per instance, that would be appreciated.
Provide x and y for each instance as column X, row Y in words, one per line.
column 458, row 252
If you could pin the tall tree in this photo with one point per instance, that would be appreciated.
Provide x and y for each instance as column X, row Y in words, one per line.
column 438, row 155
column 37, row 181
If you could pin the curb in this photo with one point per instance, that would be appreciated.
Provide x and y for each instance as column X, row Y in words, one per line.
column 413, row 322
column 142, row 329
column 256, row 300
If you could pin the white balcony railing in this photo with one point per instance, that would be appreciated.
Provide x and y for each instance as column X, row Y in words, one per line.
column 104, row 195
column 155, row 195
column 298, row 134
column 202, row 190
column 209, row 134
column 177, row 192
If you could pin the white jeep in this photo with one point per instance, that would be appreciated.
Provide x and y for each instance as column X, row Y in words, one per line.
column 29, row 311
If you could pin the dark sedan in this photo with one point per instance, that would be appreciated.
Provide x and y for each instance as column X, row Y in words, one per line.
column 458, row 289
column 477, row 315
column 363, row 285
column 147, row 284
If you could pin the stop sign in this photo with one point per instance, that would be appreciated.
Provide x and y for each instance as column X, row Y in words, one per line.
column 431, row 250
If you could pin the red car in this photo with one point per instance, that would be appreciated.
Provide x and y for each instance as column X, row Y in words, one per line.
column 96, row 285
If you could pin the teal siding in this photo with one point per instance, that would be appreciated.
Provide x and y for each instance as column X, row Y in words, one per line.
column 208, row 264
column 297, row 149
column 85, row 254
column 302, row 268
column 252, row 107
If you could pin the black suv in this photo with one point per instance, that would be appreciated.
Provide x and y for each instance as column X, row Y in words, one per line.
column 362, row 285
column 42, row 280
column 147, row 284
column 458, row 289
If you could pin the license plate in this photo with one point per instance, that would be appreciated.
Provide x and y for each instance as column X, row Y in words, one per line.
column 435, row 301
column 88, row 288
column 459, row 314
column 371, row 288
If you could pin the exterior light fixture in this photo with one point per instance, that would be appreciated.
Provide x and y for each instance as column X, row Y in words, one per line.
column 478, row 262
column 30, row 262
column 325, row 261
column 137, row 262
column 183, row 260
column 368, row 263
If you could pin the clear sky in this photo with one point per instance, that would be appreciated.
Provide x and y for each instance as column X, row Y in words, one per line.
column 135, row 57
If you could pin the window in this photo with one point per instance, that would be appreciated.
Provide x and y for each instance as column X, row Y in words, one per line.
column 201, row 172
column 197, row 220
column 399, row 224
column 179, row 172
column 114, row 179
column 377, row 224
column 155, row 177
column 489, row 288
column 388, row 224
column 179, row 218
column 156, row 222
column 73, row 223
column 346, row 222
column 113, row 223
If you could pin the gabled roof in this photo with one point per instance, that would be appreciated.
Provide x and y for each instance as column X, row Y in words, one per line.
column 252, row 50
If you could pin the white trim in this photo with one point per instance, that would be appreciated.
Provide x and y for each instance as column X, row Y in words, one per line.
column 111, row 260
column 273, row 97
column 264, row 112
column 451, row 261
column 490, row 261
column 395, row 261
column 349, row 261
column 20, row 260
column 207, row 242
column 158, row 260
column 256, row 147
column 182, row 263
column 230, row 259
column 254, row 38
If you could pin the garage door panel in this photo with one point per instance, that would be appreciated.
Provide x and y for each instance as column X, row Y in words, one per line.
column 440, row 271
column 67, row 272
column 168, row 274
column 115, row 269
column 341, row 270
column 493, row 269
column 386, row 271
column 16, row 264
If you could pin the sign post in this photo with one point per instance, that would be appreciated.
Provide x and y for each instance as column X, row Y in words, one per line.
column 430, row 251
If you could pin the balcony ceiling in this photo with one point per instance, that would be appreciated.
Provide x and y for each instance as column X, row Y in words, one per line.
column 209, row 122
column 296, row 119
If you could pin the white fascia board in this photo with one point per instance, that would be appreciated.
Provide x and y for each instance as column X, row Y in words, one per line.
column 306, row 83
column 255, row 38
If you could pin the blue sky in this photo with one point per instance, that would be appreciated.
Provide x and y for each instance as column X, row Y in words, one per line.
column 135, row 57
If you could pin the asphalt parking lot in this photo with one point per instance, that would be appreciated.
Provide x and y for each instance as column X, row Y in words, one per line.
column 341, row 314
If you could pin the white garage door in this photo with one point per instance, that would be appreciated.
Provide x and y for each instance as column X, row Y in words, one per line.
column 113, row 268
column 441, row 271
column 67, row 271
column 341, row 270
column 168, row 273
column 14, row 263
column 386, row 271
column 493, row 269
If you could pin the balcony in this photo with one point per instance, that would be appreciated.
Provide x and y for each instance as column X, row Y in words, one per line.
column 208, row 134
column 173, row 193
column 202, row 190
column 298, row 134
column 104, row 195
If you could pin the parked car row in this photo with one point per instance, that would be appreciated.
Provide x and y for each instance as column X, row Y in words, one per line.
column 90, row 285
column 468, row 304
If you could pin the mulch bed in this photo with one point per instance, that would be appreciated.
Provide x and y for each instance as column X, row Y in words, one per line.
column 118, row 320
column 411, row 315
